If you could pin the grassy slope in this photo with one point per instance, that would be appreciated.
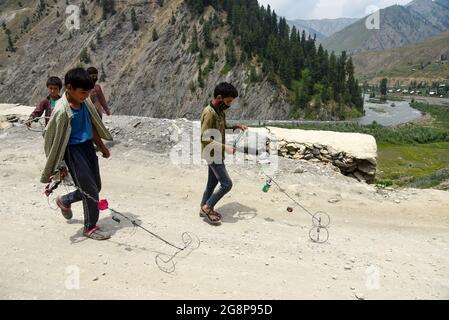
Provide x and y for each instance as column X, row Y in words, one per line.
column 404, row 63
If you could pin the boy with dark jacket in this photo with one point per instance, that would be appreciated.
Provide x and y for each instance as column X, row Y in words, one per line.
column 46, row 106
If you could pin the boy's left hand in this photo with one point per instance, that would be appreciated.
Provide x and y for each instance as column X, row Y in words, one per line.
column 241, row 127
column 106, row 153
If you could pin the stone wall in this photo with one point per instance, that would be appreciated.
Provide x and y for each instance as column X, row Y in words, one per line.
column 353, row 153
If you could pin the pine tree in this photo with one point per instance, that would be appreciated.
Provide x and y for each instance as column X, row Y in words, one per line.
column 41, row 8
column 84, row 56
column 10, row 46
column 383, row 86
column 155, row 35
column 83, row 9
column 108, row 7
column 231, row 59
column 103, row 74
column 200, row 78
column 134, row 21
column 207, row 35
column 194, row 48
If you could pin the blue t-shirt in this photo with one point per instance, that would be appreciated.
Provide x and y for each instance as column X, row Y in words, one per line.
column 81, row 125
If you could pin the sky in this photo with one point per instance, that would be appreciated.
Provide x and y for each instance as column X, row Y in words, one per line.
column 327, row 9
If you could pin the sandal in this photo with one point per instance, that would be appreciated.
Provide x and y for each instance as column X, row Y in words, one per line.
column 66, row 211
column 215, row 213
column 96, row 234
column 212, row 213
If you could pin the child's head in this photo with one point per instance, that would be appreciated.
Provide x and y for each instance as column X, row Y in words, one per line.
column 225, row 93
column 78, row 84
column 54, row 86
column 93, row 73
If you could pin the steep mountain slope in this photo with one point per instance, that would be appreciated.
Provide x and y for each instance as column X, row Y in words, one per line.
column 323, row 28
column 144, row 76
column 164, row 58
column 399, row 25
column 427, row 60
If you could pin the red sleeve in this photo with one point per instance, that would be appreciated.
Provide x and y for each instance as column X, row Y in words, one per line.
column 39, row 110
column 102, row 99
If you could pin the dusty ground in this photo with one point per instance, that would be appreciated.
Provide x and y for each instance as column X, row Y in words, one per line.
column 384, row 244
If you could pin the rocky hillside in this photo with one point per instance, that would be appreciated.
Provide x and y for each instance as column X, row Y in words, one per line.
column 399, row 26
column 150, row 64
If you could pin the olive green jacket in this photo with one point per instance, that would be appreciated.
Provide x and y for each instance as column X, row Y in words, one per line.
column 57, row 135
column 213, row 118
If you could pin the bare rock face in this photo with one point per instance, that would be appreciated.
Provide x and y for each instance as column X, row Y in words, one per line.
column 143, row 77
column 355, row 155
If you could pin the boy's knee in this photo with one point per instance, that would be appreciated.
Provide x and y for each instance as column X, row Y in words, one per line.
column 228, row 185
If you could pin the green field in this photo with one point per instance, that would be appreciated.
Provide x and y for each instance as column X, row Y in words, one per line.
column 403, row 165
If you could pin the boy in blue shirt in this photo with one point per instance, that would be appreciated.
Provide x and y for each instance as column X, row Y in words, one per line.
column 70, row 135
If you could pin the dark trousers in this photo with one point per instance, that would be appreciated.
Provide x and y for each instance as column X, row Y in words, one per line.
column 82, row 163
column 217, row 173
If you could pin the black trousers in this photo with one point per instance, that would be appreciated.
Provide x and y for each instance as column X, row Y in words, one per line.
column 82, row 163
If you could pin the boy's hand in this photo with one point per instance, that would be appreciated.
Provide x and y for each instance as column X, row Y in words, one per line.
column 229, row 149
column 28, row 122
column 106, row 153
column 241, row 127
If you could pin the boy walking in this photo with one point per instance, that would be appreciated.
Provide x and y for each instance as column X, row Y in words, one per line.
column 73, row 128
column 97, row 95
column 46, row 106
column 213, row 149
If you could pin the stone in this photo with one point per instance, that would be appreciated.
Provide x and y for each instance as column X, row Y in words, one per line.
column 360, row 296
column 348, row 267
column 95, row 279
column 333, row 200
column 308, row 157
column 367, row 168
column 359, row 176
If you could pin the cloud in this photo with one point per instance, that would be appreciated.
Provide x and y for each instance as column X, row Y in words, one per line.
column 330, row 9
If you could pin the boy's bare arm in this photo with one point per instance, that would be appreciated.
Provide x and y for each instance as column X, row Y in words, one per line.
column 103, row 102
column 97, row 139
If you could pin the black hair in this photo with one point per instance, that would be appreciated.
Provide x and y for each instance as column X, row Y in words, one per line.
column 226, row 90
column 54, row 81
column 78, row 78
column 92, row 70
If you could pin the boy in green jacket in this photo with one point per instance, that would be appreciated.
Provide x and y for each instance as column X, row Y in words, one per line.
column 73, row 128
column 214, row 147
